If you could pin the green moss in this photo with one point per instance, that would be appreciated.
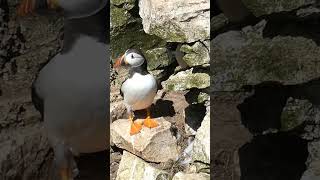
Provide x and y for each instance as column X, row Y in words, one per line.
column 133, row 37
column 158, row 58
column 120, row 2
column 169, row 32
column 187, row 80
column 119, row 17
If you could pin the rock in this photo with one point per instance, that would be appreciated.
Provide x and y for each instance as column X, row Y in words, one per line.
column 120, row 2
column 191, row 176
column 158, row 58
column 196, row 55
column 313, row 163
column 176, row 21
column 119, row 17
column 312, row 129
column 133, row 168
column 23, row 145
column 133, row 37
column 307, row 11
column 246, row 58
column 263, row 7
column 117, row 111
column 201, row 146
column 218, row 22
column 294, row 113
column 154, row 145
column 186, row 80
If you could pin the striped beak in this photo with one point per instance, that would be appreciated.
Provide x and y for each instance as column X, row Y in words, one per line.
column 120, row 61
column 30, row 6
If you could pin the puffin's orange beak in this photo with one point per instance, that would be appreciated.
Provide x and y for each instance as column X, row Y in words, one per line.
column 119, row 61
column 28, row 6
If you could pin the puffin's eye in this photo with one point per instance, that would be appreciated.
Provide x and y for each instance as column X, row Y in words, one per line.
column 132, row 56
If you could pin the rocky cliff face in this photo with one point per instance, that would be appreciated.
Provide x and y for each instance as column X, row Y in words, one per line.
column 265, row 82
column 25, row 44
column 174, row 36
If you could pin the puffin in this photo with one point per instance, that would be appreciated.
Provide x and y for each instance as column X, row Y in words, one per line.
column 139, row 90
column 71, row 90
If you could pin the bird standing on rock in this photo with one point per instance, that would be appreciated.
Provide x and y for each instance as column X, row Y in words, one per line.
column 71, row 90
column 139, row 89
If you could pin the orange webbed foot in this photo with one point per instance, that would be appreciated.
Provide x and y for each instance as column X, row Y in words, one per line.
column 135, row 128
column 150, row 123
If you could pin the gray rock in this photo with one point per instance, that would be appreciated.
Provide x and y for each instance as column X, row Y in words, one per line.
column 294, row 113
column 176, row 21
column 263, row 7
column 313, row 163
column 218, row 22
column 195, row 55
column 191, row 176
column 201, row 146
column 245, row 57
column 154, row 145
column 133, row 168
column 185, row 80
column 158, row 58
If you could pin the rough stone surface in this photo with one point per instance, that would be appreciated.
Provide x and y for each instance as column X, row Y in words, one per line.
column 133, row 168
column 176, row 21
column 155, row 145
column 263, row 7
column 119, row 17
column 218, row 22
column 294, row 113
column 158, row 58
column 25, row 45
column 312, row 129
column 191, row 176
column 244, row 57
column 186, row 80
column 201, row 146
column 196, row 55
column 313, row 163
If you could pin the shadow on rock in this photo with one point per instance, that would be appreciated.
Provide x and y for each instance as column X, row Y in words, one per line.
column 273, row 156
column 263, row 109
column 93, row 166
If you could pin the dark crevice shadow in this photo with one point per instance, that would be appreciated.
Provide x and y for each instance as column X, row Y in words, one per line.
column 289, row 24
column 93, row 166
column 162, row 108
column 262, row 110
column 194, row 114
column 307, row 91
column 273, row 157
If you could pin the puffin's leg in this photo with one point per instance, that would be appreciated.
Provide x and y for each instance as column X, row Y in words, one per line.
column 63, row 164
column 148, row 122
column 135, row 126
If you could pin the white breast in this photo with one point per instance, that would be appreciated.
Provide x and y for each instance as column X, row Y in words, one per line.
column 139, row 91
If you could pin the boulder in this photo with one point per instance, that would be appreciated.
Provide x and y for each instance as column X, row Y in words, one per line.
column 154, row 145
column 246, row 58
column 294, row 113
column 158, row 58
column 176, row 21
column 185, row 80
column 195, row 55
column 201, row 146
column 264, row 7
column 191, row 176
column 133, row 168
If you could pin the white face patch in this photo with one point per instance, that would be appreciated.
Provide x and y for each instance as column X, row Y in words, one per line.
column 134, row 59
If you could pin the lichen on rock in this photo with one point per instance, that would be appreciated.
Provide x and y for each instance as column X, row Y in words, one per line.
column 185, row 80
